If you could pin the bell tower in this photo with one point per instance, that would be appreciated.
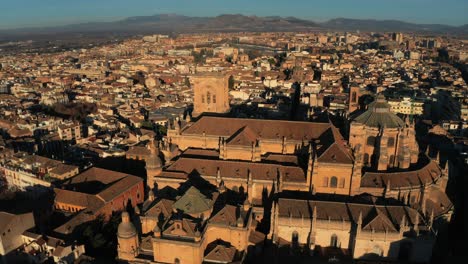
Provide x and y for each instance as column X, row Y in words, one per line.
column 354, row 94
column 153, row 164
column 210, row 93
column 127, row 237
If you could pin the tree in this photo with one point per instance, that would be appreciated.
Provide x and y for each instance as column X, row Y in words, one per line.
column 272, row 61
column 147, row 125
column 161, row 130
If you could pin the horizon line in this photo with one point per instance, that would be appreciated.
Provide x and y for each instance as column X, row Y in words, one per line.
column 112, row 19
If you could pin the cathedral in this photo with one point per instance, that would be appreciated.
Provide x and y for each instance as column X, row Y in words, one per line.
column 218, row 187
column 383, row 139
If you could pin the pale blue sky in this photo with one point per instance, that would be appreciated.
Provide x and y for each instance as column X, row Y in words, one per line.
column 26, row 13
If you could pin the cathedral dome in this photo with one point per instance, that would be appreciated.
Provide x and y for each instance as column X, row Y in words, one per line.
column 153, row 161
column 378, row 115
column 126, row 229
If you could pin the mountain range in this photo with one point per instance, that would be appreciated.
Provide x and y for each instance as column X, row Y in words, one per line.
column 169, row 23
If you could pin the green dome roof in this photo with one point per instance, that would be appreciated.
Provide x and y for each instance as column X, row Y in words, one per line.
column 378, row 114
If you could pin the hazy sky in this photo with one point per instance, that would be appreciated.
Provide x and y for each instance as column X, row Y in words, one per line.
column 21, row 13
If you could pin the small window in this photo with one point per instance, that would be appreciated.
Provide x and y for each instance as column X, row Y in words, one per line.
column 295, row 238
column 208, row 98
column 333, row 182
column 390, row 142
column 325, row 182
column 342, row 183
column 334, row 241
column 366, row 159
column 392, row 160
column 371, row 141
column 203, row 99
column 214, row 98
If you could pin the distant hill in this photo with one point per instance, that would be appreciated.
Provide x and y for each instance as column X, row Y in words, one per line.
column 387, row 25
column 169, row 23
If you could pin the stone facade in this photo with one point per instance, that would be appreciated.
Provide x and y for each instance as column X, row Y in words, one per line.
column 383, row 139
column 259, row 161
column 365, row 231
column 211, row 93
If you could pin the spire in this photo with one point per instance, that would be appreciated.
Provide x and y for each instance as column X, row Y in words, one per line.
column 424, row 201
column 240, row 221
column 222, row 188
column 246, row 204
column 154, row 147
column 431, row 219
column 402, row 224
column 125, row 217
column 218, row 175
column 387, row 187
column 416, row 224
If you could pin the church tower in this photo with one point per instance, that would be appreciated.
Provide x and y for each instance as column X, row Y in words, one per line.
column 127, row 237
column 153, row 164
column 354, row 94
column 210, row 93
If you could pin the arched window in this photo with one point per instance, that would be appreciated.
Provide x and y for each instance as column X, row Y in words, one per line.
column 371, row 141
column 203, row 99
column 214, row 98
column 325, row 182
column 333, row 182
column 295, row 238
column 208, row 98
column 176, row 261
column 334, row 241
column 390, row 142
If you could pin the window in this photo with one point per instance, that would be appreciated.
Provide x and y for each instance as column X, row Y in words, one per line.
column 353, row 97
column 342, row 183
column 208, row 98
column 366, row 159
column 334, row 241
column 214, row 98
column 392, row 160
column 333, row 182
column 325, row 182
column 371, row 141
column 295, row 238
column 203, row 99
column 390, row 142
